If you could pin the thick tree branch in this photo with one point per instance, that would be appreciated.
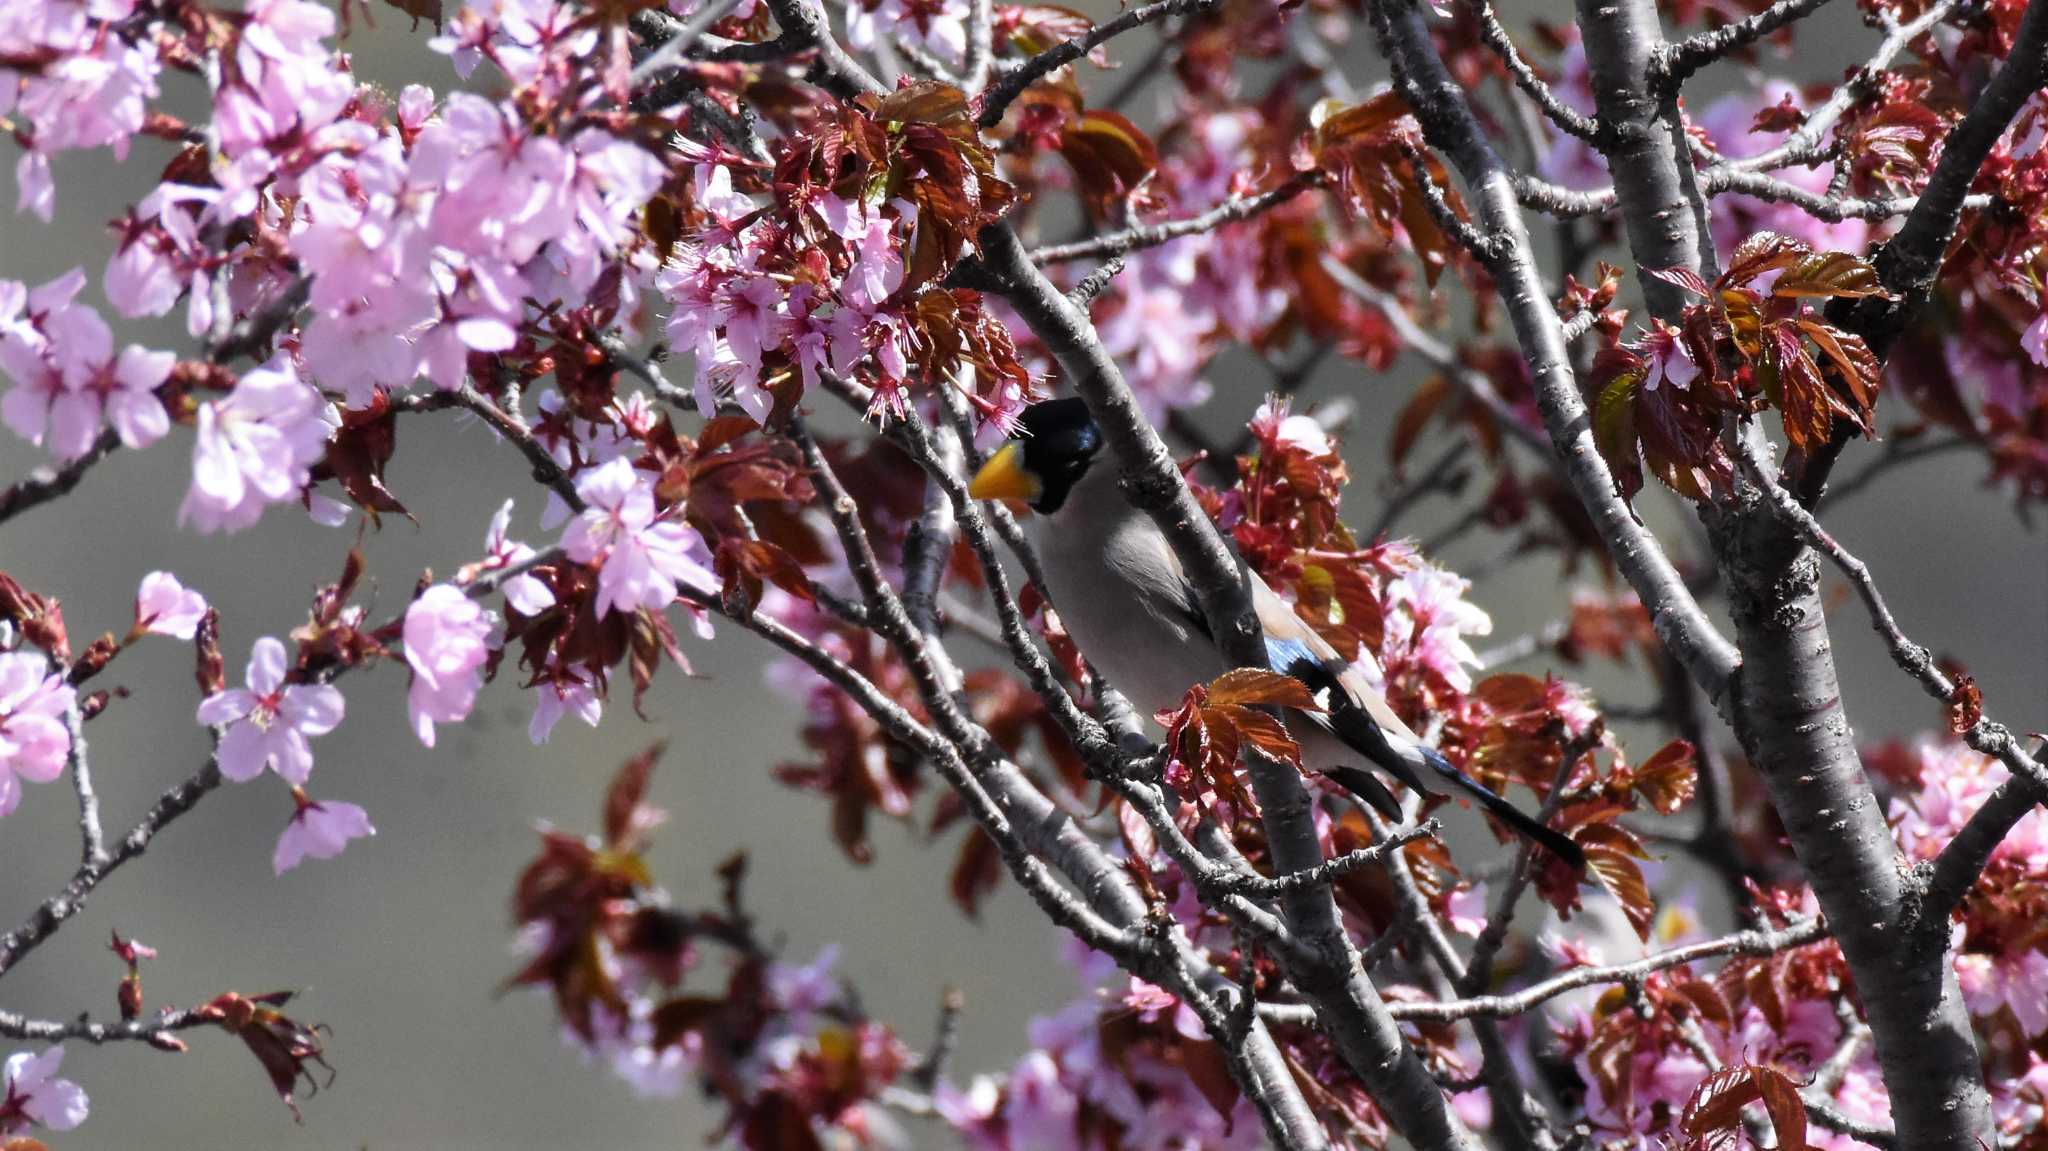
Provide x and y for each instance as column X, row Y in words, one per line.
column 1962, row 859
column 804, row 23
column 1992, row 739
column 1797, row 733
column 1448, row 122
column 1910, row 260
column 1662, row 208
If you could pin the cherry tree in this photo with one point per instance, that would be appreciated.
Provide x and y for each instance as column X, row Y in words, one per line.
column 752, row 288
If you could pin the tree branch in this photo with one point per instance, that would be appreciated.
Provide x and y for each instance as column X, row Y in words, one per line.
column 1152, row 235
column 1690, row 55
column 1804, row 144
column 996, row 100
column 1992, row 739
column 1569, row 120
column 1439, row 104
column 1508, row 1006
column 47, row 918
column 1908, row 262
column 155, row 1030
column 1962, row 860
column 48, row 482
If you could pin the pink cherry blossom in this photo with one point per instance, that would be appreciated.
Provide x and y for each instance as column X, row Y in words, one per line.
column 523, row 593
column 1159, row 338
column 1668, row 356
column 447, row 640
column 555, row 698
column 319, row 829
column 34, row 739
column 52, row 347
column 163, row 606
column 269, row 722
column 36, row 1097
column 939, row 28
column 2035, row 340
column 1428, row 621
column 255, row 447
column 641, row 559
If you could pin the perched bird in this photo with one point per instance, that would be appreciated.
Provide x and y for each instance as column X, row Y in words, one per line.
column 1122, row 595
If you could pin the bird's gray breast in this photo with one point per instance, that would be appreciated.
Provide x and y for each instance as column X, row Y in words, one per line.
column 1116, row 586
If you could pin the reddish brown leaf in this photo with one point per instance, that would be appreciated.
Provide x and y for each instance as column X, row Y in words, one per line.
column 976, row 871
column 1612, row 855
column 1337, row 125
column 1685, row 278
column 1112, row 157
column 1783, row 116
column 1783, row 1104
column 1666, row 780
column 1761, row 253
column 923, row 101
column 1826, row 275
column 1716, row 1104
column 1262, row 731
column 1250, row 686
column 624, row 817
column 357, row 455
column 1802, row 395
column 1965, row 704
column 1414, row 416
column 1207, row 1067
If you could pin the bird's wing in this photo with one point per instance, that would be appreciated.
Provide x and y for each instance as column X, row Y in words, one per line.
column 1294, row 647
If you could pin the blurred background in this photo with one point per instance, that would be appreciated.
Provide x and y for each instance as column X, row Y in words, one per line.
column 401, row 944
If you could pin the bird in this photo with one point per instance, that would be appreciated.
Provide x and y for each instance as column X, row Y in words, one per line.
column 1122, row 595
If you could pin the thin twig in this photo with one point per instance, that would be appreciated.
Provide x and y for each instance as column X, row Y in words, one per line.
column 996, row 100
column 1755, row 942
column 679, row 42
column 1152, row 235
column 92, row 847
column 51, row 481
column 1803, row 145
column 1568, row 119
column 1473, row 383
column 1992, row 739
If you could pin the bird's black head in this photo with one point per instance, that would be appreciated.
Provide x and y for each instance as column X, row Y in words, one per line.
column 1057, row 441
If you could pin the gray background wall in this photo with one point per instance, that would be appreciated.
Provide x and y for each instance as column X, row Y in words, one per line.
column 400, row 944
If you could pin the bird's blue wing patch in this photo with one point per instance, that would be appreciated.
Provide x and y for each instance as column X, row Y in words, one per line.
column 1292, row 657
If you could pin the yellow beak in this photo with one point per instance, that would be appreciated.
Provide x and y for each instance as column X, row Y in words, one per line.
column 1004, row 477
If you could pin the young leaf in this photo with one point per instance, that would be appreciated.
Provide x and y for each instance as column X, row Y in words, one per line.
column 1828, row 274
column 1252, row 687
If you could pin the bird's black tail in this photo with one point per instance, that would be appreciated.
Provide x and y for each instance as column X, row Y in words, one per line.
column 1551, row 839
